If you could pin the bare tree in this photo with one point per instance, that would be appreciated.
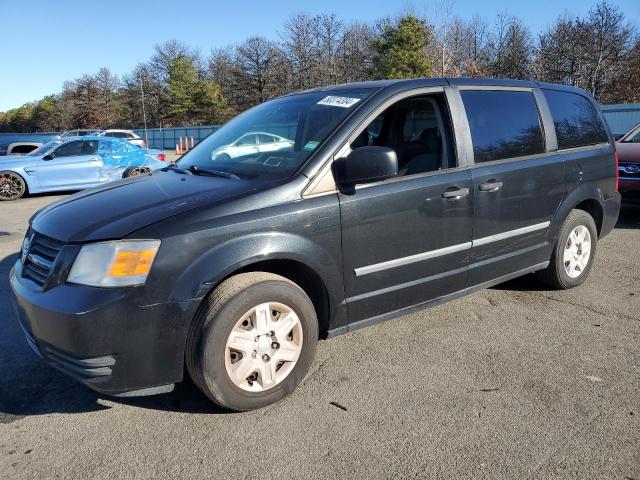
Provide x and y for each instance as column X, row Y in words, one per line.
column 356, row 63
column 301, row 49
column 591, row 53
column 509, row 49
column 607, row 37
column 254, row 74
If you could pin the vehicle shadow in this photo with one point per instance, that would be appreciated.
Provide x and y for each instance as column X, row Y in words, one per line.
column 29, row 387
column 526, row 283
column 629, row 216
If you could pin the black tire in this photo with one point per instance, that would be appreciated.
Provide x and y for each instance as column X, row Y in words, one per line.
column 216, row 318
column 12, row 186
column 555, row 274
column 223, row 157
column 135, row 171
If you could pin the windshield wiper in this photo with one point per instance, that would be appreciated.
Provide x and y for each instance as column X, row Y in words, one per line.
column 214, row 173
column 175, row 168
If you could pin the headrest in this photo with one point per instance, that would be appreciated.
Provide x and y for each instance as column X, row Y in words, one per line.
column 430, row 138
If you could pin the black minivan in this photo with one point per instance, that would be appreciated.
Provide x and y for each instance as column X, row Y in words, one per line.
column 309, row 216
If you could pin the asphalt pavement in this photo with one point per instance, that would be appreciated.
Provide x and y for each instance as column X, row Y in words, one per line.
column 517, row 381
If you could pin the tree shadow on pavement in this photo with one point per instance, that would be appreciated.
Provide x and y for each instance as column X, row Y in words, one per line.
column 28, row 386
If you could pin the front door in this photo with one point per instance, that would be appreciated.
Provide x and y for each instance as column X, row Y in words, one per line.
column 74, row 164
column 405, row 240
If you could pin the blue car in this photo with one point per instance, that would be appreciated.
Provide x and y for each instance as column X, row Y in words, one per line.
column 74, row 163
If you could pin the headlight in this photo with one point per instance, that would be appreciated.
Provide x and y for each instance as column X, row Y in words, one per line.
column 114, row 264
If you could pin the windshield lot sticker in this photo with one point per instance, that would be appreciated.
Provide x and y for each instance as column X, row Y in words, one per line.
column 334, row 101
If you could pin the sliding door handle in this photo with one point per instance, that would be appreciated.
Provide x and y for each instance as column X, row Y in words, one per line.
column 454, row 193
column 492, row 185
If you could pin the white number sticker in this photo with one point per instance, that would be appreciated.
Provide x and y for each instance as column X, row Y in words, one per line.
column 334, row 101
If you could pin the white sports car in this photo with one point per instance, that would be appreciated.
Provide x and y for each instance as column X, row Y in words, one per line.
column 250, row 143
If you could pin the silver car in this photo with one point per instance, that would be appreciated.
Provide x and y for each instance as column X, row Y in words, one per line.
column 73, row 163
column 252, row 143
column 128, row 135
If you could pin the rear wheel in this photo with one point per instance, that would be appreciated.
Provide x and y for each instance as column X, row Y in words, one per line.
column 252, row 341
column 574, row 252
column 135, row 171
column 12, row 186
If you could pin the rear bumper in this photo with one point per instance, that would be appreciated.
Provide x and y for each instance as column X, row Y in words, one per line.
column 103, row 337
column 611, row 210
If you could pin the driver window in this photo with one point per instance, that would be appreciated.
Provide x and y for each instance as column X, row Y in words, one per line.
column 418, row 129
column 70, row 149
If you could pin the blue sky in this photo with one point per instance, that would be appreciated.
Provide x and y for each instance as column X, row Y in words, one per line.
column 45, row 42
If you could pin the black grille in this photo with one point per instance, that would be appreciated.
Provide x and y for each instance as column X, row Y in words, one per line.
column 41, row 257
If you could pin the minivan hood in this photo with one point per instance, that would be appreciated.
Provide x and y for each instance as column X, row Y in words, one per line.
column 119, row 208
column 628, row 152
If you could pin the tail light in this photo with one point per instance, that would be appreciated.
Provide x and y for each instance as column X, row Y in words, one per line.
column 161, row 157
column 615, row 155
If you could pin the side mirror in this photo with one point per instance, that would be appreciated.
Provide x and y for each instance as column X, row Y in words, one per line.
column 48, row 156
column 365, row 165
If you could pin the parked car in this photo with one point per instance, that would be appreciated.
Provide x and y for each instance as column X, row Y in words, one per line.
column 250, row 143
column 73, row 163
column 128, row 135
column 395, row 196
column 22, row 148
column 81, row 132
column 628, row 148
column 21, row 143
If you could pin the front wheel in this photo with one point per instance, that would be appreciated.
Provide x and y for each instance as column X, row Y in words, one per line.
column 12, row 186
column 252, row 341
column 573, row 255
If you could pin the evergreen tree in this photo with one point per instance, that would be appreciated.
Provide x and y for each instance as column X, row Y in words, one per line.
column 400, row 51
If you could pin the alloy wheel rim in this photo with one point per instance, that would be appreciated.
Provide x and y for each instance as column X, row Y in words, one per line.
column 137, row 171
column 10, row 186
column 577, row 251
column 263, row 347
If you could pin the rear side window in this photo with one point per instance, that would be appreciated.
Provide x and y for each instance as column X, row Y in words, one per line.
column 503, row 124
column 576, row 120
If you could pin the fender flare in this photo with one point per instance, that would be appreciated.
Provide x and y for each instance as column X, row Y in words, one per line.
column 582, row 192
column 218, row 263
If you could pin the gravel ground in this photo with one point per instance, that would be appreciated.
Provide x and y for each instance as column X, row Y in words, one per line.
column 515, row 381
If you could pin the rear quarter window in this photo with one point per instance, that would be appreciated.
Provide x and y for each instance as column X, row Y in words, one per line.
column 503, row 124
column 576, row 120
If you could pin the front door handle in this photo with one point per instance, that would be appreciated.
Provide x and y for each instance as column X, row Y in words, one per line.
column 492, row 185
column 454, row 193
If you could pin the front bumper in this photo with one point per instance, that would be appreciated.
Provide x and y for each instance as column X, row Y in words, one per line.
column 103, row 337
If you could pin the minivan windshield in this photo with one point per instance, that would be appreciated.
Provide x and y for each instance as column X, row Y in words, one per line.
column 272, row 140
